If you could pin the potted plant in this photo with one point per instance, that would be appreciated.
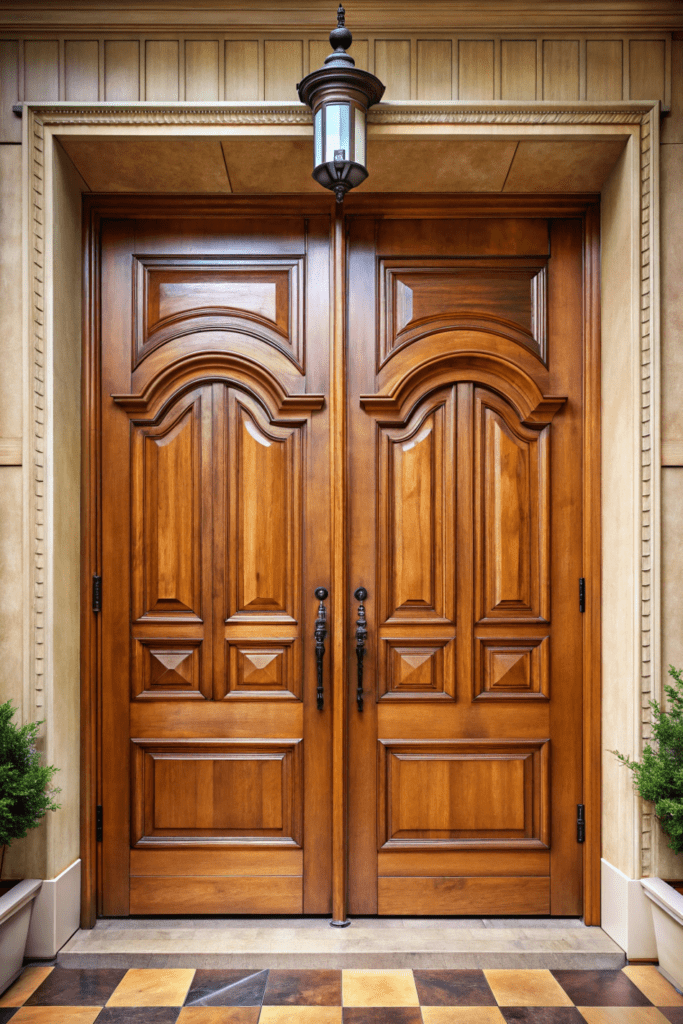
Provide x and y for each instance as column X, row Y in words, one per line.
column 25, row 797
column 659, row 777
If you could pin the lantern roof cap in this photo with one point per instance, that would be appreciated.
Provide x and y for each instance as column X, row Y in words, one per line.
column 339, row 70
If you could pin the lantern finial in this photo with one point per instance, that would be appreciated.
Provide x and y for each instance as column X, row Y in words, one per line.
column 340, row 40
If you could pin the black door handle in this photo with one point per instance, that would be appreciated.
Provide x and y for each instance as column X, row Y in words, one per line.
column 361, row 636
column 320, row 634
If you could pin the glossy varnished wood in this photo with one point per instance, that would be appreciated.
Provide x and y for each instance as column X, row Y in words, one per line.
column 466, row 498
column 215, row 445
column 456, row 488
column 474, row 895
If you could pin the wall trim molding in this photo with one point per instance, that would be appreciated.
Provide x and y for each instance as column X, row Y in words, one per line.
column 401, row 112
column 42, row 121
column 369, row 16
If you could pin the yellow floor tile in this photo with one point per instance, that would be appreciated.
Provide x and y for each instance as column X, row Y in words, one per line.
column 150, row 987
column 526, row 988
column 57, row 1014
column 462, row 1015
column 653, row 985
column 24, row 986
column 301, row 1015
column 621, row 1015
column 379, row 988
column 219, row 1015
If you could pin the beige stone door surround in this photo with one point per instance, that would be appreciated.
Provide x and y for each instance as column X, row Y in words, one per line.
column 52, row 254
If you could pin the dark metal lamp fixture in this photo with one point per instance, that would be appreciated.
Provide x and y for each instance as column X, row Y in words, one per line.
column 339, row 95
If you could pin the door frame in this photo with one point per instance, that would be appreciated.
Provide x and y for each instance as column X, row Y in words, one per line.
column 630, row 313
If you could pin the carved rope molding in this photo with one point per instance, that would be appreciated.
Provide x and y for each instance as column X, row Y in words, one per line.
column 56, row 114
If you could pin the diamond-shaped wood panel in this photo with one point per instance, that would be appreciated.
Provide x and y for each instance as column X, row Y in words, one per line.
column 164, row 669
column 512, row 669
column 263, row 669
column 417, row 670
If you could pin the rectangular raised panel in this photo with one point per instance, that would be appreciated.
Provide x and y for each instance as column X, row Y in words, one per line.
column 419, row 298
column 242, row 70
column 166, row 516
column 647, row 64
column 560, row 69
column 264, row 550
column 420, row 863
column 283, row 61
column 471, row 896
column 434, row 57
column 263, row 670
column 491, row 237
column 121, row 69
column 261, row 894
column 604, row 69
column 286, row 860
column 518, row 69
column 258, row 298
column 417, row 516
column 81, row 70
column 161, row 69
column 168, row 669
column 201, row 69
column 511, row 482
column 475, row 69
column 512, row 669
column 41, row 69
column 392, row 66
column 416, row 670
column 224, row 791
column 474, row 793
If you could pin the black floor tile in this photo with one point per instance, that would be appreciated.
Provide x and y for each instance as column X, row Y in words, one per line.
column 6, row 1013
column 303, row 988
column 674, row 1014
column 453, row 988
column 138, row 1015
column 76, row 987
column 542, row 1015
column 381, row 1015
column 600, row 988
column 227, row 988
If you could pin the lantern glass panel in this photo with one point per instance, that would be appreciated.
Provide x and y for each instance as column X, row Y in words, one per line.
column 318, row 132
column 337, row 130
column 359, row 153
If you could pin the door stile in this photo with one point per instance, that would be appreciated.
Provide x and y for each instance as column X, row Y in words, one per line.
column 592, row 624
column 339, row 596
column 464, row 532
column 90, row 564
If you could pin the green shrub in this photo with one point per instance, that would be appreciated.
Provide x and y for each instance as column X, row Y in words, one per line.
column 659, row 776
column 25, row 791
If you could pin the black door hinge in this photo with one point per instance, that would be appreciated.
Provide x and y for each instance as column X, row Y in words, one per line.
column 580, row 823
column 582, row 594
column 99, row 824
column 97, row 593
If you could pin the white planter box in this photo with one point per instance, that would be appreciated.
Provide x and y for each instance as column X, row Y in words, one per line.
column 15, row 917
column 667, row 917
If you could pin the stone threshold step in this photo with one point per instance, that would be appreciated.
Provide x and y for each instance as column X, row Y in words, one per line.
column 356, row 947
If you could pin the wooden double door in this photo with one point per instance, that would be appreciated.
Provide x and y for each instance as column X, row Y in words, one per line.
column 461, row 721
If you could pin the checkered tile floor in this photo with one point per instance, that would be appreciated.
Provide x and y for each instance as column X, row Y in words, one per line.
column 47, row 995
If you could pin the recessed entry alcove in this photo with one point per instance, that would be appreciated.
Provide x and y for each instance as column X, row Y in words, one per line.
column 482, row 155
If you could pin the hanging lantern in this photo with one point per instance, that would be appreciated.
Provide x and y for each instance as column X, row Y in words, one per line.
column 339, row 95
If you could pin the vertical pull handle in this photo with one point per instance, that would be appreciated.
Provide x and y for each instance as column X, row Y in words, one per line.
column 361, row 636
column 320, row 634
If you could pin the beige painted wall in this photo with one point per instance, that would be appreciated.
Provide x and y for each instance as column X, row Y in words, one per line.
column 200, row 70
